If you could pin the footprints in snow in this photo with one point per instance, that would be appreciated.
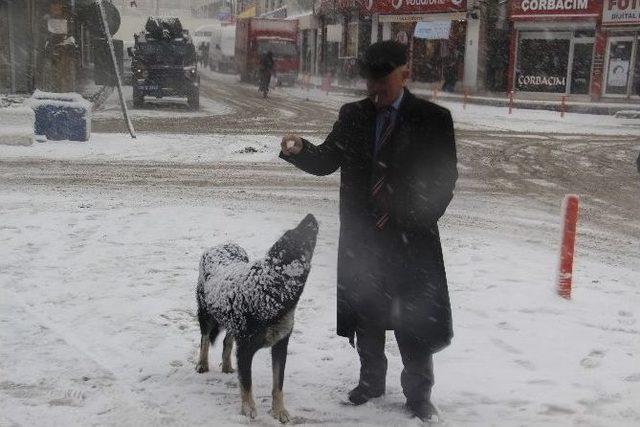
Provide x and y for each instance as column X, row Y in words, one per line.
column 184, row 320
column 593, row 360
column 69, row 398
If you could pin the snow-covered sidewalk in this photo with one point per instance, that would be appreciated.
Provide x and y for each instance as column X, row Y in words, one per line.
column 490, row 118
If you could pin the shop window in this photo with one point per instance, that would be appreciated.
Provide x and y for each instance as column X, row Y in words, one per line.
column 619, row 67
column 440, row 59
column 542, row 62
column 352, row 40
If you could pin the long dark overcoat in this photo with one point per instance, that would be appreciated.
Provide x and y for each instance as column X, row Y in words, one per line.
column 394, row 278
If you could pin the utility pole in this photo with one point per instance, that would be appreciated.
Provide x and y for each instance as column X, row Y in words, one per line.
column 123, row 104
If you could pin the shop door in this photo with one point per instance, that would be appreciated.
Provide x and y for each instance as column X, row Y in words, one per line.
column 620, row 55
column 581, row 70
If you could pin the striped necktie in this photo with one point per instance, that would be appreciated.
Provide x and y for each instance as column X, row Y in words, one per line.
column 381, row 191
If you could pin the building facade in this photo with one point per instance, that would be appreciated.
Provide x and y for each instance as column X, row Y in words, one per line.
column 579, row 48
column 38, row 44
column 446, row 39
column 552, row 45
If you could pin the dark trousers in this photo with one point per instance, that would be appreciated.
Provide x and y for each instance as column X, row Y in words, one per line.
column 417, row 375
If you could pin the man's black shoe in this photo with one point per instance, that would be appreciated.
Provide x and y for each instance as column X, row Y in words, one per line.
column 423, row 409
column 361, row 395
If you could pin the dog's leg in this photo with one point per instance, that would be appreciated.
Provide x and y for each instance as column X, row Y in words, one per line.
column 227, row 346
column 278, row 361
column 244, row 354
column 209, row 329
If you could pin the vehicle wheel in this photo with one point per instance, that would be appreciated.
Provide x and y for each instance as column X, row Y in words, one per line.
column 138, row 98
column 194, row 99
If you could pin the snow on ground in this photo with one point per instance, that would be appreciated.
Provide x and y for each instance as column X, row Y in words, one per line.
column 157, row 147
column 484, row 117
column 97, row 296
column 16, row 125
column 169, row 107
column 99, row 327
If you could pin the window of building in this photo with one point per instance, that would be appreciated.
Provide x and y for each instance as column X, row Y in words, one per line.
column 542, row 62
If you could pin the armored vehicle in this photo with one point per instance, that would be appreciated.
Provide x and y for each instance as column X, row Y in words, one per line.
column 164, row 63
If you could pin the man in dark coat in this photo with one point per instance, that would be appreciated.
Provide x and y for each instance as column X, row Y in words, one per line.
column 398, row 165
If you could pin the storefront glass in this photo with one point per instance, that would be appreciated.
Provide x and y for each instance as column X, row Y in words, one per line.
column 435, row 60
column 542, row 62
column 619, row 66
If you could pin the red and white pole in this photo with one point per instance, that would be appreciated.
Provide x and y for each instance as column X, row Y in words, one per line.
column 435, row 94
column 466, row 98
column 563, row 105
column 326, row 83
column 510, row 102
column 565, row 270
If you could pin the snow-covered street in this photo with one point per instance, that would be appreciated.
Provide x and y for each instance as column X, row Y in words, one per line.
column 101, row 243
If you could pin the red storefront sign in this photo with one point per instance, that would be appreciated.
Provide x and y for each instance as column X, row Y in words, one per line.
column 396, row 7
column 529, row 9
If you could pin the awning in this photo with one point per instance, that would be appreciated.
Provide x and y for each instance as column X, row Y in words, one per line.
column 249, row 13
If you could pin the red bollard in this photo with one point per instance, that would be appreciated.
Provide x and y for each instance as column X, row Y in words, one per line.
column 435, row 94
column 510, row 102
column 326, row 83
column 563, row 105
column 565, row 270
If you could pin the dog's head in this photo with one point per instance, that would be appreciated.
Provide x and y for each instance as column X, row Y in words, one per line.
column 296, row 245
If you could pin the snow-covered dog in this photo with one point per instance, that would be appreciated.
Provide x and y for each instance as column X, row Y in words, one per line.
column 255, row 304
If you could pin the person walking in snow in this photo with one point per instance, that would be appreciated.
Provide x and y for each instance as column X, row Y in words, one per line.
column 398, row 165
column 266, row 69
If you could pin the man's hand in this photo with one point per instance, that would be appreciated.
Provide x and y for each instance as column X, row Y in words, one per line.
column 291, row 145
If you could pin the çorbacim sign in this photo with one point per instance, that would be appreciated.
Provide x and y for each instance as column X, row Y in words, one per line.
column 524, row 9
